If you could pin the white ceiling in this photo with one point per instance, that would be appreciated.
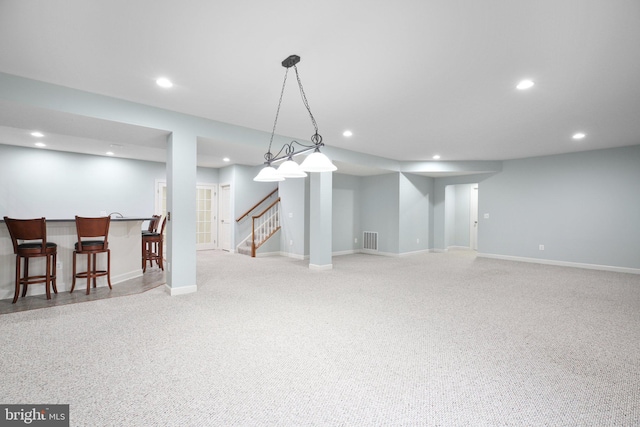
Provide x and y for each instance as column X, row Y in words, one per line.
column 410, row 78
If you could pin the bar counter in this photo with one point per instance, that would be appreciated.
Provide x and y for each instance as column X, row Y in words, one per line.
column 125, row 242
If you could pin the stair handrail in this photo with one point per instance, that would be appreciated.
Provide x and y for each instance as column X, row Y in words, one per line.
column 256, row 205
column 254, row 247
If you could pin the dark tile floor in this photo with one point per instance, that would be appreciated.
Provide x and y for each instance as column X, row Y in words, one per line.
column 152, row 278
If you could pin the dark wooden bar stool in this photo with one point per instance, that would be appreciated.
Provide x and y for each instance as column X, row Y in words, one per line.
column 29, row 238
column 93, row 239
column 152, row 244
column 154, row 222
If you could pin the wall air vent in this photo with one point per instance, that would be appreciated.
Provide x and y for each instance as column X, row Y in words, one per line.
column 370, row 240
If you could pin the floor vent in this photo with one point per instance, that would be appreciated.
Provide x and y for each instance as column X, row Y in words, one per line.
column 370, row 240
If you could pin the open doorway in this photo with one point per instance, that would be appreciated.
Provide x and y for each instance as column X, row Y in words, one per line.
column 461, row 216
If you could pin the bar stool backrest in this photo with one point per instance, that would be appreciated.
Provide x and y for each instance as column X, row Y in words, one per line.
column 164, row 223
column 89, row 229
column 27, row 230
column 153, row 224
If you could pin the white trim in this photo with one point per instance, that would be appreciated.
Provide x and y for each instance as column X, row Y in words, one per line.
column 372, row 252
column 395, row 255
column 159, row 184
column 563, row 263
column 285, row 254
column 421, row 251
column 214, row 217
column 232, row 236
column 320, row 267
column 458, row 248
column 125, row 276
column 340, row 253
column 182, row 290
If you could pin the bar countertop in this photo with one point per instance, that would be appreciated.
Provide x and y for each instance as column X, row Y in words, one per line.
column 112, row 219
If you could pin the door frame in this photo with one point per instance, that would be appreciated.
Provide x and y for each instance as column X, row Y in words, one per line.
column 473, row 218
column 160, row 184
column 221, row 238
column 214, row 217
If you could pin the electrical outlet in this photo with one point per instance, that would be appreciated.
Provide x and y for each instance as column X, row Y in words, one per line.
column 59, row 265
column 486, row 216
column 290, row 242
column 355, row 240
column 541, row 247
column 418, row 241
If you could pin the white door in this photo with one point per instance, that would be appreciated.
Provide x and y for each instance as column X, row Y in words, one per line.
column 225, row 217
column 206, row 224
column 205, row 217
column 473, row 216
column 161, row 198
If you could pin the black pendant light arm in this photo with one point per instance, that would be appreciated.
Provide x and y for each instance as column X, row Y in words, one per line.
column 289, row 149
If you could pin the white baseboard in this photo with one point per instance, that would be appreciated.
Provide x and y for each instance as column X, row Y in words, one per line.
column 341, row 253
column 320, row 267
column 563, row 263
column 268, row 254
column 394, row 255
column 458, row 248
column 182, row 290
column 125, row 276
column 421, row 251
column 290, row 255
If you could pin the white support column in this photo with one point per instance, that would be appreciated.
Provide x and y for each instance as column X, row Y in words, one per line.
column 320, row 207
column 181, row 206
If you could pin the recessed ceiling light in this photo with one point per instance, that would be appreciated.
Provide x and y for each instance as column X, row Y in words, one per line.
column 109, row 153
column 40, row 144
column 226, row 159
column 37, row 134
column 579, row 135
column 164, row 82
column 525, row 84
column 347, row 133
column 436, row 157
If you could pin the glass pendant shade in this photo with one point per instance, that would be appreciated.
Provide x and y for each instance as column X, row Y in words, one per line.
column 317, row 162
column 268, row 174
column 290, row 169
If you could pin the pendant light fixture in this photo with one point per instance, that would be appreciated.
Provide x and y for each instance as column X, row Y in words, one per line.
column 315, row 162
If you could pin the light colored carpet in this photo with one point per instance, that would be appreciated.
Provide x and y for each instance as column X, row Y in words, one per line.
column 431, row 339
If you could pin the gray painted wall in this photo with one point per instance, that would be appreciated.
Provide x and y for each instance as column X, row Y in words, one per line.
column 53, row 184
column 346, row 213
column 63, row 184
column 294, row 210
column 583, row 207
column 379, row 210
column 414, row 212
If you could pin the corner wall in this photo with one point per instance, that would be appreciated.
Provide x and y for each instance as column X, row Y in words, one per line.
column 583, row 207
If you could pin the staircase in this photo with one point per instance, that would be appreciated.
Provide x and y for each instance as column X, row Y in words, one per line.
column 263, row 225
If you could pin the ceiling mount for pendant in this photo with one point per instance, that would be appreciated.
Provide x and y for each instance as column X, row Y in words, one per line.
column 291, row 61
